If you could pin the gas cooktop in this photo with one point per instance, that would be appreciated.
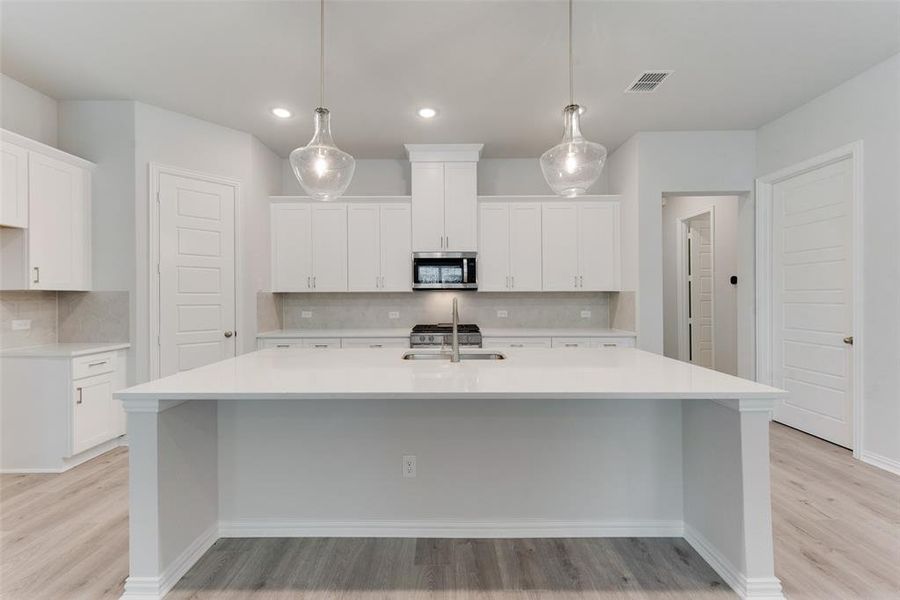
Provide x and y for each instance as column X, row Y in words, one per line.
column 440, row 334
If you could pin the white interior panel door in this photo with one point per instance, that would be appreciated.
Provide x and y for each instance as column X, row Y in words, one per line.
column 598, row 237
column 700, row 288
column 396, row 248
column 363, row 248
column 525, row 274
column 560, row 246
column 196, row 267
column 812, row 312
column 329, row 247
column 493, row 248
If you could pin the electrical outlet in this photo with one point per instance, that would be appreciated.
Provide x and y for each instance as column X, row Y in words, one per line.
column 409, row 466
column 21, row 324
column 394, row 314
column 306, row 314
column 585, row 314
column 502, row 314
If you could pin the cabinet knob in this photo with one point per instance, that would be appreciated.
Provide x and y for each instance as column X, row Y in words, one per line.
column 228, row 334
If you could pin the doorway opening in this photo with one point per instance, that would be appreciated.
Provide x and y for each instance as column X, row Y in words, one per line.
column 701, row 273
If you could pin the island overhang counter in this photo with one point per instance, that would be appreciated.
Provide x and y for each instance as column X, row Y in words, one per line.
column 546, row 443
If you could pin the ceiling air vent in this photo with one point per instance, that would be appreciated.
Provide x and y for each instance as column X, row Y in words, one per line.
column 647, row 82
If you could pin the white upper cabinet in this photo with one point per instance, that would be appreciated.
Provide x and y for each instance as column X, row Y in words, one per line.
column 379, row 247
column 46, row 212
column 13, row 186
column 509, row 247
column 581, row 246
column 309, row 247
column 444, row 196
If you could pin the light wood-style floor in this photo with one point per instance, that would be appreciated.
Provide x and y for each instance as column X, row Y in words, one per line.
column 837, row 535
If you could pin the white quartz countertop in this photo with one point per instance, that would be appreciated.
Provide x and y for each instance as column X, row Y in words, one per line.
column 299, row 373
column 402, row 332
column 64, row 349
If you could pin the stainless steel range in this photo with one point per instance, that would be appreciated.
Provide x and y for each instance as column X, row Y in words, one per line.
column 440, row 334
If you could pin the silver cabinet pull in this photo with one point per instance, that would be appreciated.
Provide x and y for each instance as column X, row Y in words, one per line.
column 320, row 345
column 97, row 364
column 610, row 345
column 282, row 345
column 228, row 334
column 848, row 340
column 507, row 282
column 448, row 242
column 571, row 345
column 512, row 281
column 581, row 280
column 576, row 281
column 314, row 282
column 37, row 275
column 376, row 346
column 517, row 345
column 80, row 396
column 308, row 282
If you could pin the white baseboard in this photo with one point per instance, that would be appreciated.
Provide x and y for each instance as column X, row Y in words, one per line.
column 69, row 463
column 155, row 588
column 758, row 588
column 451, row 529
column 882, row 462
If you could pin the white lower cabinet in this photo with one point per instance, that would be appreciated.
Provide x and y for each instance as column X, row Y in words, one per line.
column 570, row 342
column 325, row 343
column 321, row 343
column 516, row 342
column 612, row 342
column 59, row 411
column 375, row 343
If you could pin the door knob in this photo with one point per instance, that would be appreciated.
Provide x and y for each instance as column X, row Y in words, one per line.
column 229, row 334
column 848, row 340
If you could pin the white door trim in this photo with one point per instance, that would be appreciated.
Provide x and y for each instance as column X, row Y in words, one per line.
column 681, row 231
column 764, row 270
column 156, row 170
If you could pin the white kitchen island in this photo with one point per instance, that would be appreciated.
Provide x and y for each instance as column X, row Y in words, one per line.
column 547, row 443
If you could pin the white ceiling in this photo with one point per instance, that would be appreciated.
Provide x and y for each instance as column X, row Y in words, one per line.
column 495, row 70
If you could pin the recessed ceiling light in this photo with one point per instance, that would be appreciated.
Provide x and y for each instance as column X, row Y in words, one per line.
column 281, row 113
column 427, row 113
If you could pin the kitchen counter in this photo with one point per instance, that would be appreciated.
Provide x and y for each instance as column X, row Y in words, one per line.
column 402, row 332
column 566, row 442
column 64, row 349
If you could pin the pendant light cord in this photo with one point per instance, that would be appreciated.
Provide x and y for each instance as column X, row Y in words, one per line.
column 571, row 60
column 322, row 54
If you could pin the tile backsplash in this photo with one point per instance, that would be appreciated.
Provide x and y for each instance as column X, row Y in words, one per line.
column 37, row 307
column 360, row 310
column 63, row 317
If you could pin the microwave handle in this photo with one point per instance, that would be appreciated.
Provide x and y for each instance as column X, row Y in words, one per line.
column 465, row 276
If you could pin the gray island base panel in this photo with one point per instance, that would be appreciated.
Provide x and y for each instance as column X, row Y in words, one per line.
column 546, row 443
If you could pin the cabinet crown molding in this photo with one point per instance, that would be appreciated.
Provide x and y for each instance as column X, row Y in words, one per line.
column 41, row 148
column 444, row 152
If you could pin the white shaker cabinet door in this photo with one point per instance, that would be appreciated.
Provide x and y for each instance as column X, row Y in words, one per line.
column 13, row 186
column 560, row 246
column 59, row 226
column 598, row 241
column 363, row 247
column 396, row 248
column 329, row 252
column 493, row 248
column 525, row 272
column 427, row 207
column 460, row 207
column 291, row 247
column 93, row 415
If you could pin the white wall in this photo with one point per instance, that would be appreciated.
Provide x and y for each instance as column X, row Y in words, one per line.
column 699, row 162
column 865, row 108
column 27, row 111
column 725, row 264
column 172, row 139
column 391, row 177
column 623, row 175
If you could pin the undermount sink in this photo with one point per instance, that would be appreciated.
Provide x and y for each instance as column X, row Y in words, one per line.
column 446, row 356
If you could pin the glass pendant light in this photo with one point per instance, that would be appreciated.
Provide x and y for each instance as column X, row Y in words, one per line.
column 575, row 164
column 323, row 170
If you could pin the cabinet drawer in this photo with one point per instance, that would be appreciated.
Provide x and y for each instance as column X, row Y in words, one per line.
column 282, row 343
column 516, row 342
column 570, row 342
column 322, row 343
column 612, row 342
column 375, row 343
column 93, row 364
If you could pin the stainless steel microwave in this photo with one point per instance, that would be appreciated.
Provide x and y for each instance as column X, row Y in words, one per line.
column 445, row 271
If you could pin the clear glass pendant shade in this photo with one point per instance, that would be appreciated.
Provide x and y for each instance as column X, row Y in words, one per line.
column 323, row 169
column 575, row 164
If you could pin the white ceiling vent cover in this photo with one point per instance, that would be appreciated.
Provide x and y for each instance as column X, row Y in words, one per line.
column 647, row 82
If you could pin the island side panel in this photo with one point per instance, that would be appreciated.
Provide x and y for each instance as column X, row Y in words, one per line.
column 173, row 479
column 485, row 467
column 727, row 503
